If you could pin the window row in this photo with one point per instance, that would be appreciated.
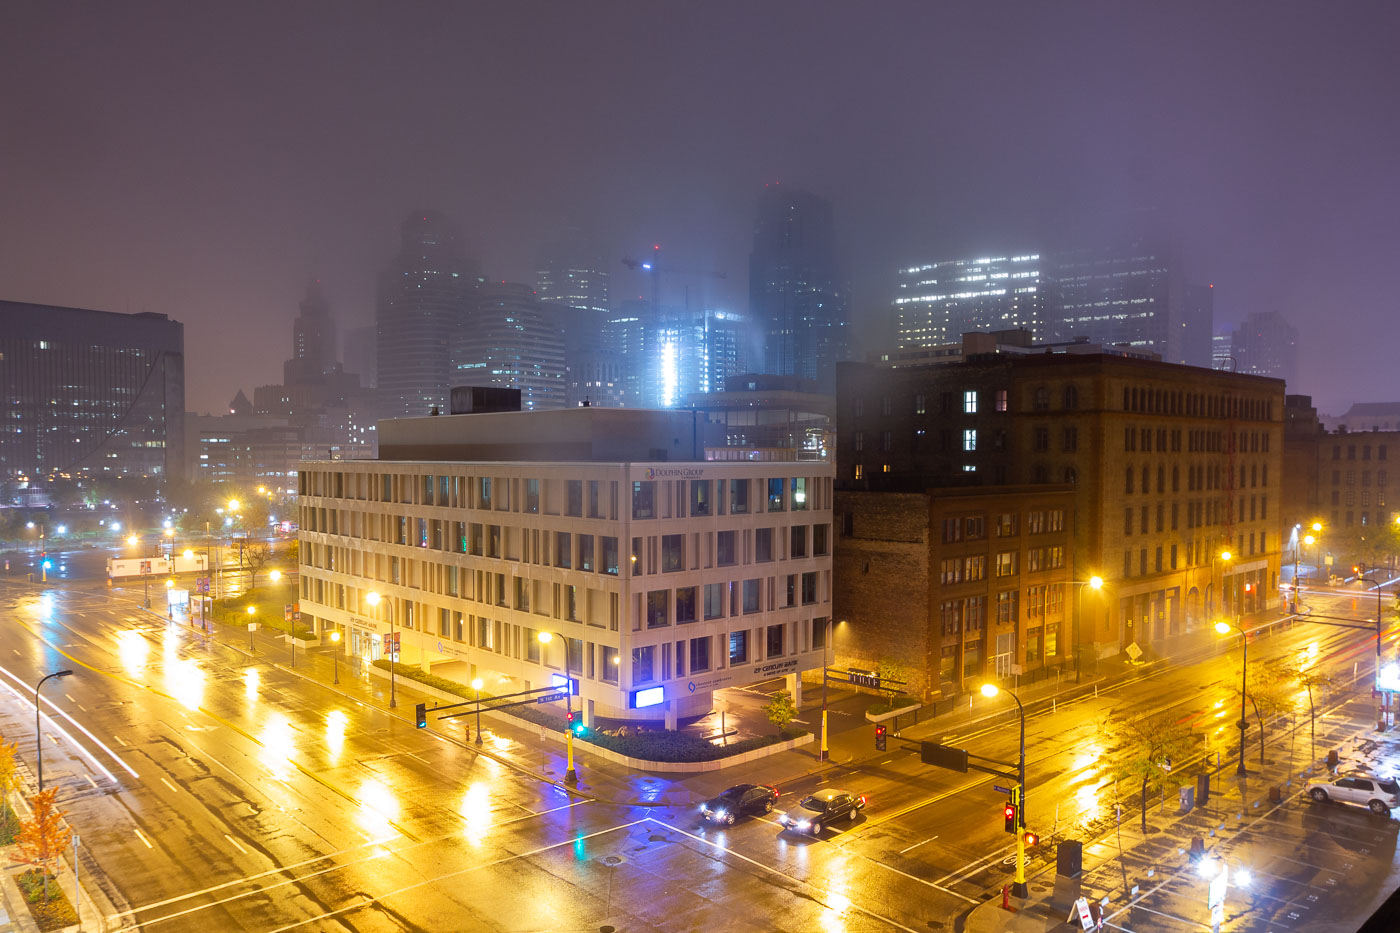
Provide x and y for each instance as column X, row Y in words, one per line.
column 726, row 599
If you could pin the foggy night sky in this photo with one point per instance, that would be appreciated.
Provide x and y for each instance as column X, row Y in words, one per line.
column 205, row 161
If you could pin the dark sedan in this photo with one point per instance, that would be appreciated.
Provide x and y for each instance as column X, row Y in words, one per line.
column 739, row 800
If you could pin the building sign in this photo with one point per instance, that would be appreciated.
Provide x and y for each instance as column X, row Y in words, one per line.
column 776, row 669
column 862, row 678
column 675, row 472
column 651, row 696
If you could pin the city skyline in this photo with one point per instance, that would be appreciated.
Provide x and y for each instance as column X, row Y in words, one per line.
column 1276, row 220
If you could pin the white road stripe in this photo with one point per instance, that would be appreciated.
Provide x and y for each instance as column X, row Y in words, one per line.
column 142, row 837
column 916, row 845
column 172, row 787
column 236, row 844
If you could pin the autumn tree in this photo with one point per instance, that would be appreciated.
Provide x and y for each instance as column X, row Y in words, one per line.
column 256, row 556
column 1147, row 749
column 43, row 838
column 9, row 782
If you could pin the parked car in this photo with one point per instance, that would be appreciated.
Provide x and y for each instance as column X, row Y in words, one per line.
column 1380, row 795
column 818, row 811
column 739, row 800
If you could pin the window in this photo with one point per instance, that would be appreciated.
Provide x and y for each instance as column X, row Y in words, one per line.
column 1006, row 606
column 952, row 530
column 1000, row 397
column 573, row 498
column 775, row 493
column 1006, row 525
column 672, row 553
column 752, row 593
column 975, row 527
column 563, row 549
column 685, row 605
column 1040, row 401
column 1041, row 438
column 819, row 538
column 643, row 499
column 724, row 542
column 699, row 497
column 738, row 496
column 969, row 439
column 609, row 558
column 1035, row 522
column 1006, row 563
column 644, row 664
column 1057, row 519
column 975, row 568
column 970, row 402
column 658, row 608
column 799, row 493
column 699, row 655
column 1071, row 397
column 799, row 542
column 595, row 500
column 714, row 600
column 951, row 570
column 532, row 495
column 920, row 405
column 763, row 544
column 1070, row 439
column 738, row 647
column 585, row 553
column 775, row 641
column 809, row 588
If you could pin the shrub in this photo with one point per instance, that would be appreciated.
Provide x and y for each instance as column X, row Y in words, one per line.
column 893, row 703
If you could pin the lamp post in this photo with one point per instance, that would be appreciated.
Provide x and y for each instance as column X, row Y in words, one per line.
column 570, row 775
column 335, row 655
column 1224, row 628
column 252, row 626
column 38, row 737
column 1224, row 558
column 373, row 600
column 1018, row 888
column 476, row 686
column 826, row 640
column 1094, row 583
column 1296, row 545
column 1317, row 531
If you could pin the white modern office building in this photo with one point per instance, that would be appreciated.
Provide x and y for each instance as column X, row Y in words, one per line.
column 668, row 577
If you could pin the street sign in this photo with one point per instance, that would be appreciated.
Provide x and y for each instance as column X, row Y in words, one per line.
column 252, row 626
column 863, row 678
column 942, row 756
column 1086, row 919
column 1001, row 790
column 550, row 697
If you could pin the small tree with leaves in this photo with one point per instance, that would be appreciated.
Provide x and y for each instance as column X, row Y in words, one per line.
column 1147, row 748
column 780, row 710
column 1311, row 678
column 43, row 838
column 1267, row 692
column 9, row 782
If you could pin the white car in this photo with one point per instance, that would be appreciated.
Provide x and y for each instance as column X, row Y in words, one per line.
column 1379, row 795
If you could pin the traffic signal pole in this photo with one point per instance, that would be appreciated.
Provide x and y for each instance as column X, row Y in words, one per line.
column 1019, row 886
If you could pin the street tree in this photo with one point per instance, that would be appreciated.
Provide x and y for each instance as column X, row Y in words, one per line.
column 256, row 556
column 780, row 710
column 1150, row 750
column 9, row 783
column 1305, row 672
column 1267, row 691
column 43, row 838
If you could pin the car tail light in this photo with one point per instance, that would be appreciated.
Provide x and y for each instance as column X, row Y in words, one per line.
column 862, row 800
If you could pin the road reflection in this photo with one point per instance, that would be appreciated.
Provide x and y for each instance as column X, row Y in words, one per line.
column 277, row 746
column 250, row 683
column 132, row 650
column 336, row 721
column 378, row 807
column 476, row 813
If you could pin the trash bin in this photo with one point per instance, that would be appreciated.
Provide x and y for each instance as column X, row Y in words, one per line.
column 1188, row 797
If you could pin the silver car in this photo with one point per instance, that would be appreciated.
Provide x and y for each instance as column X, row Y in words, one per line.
column 1379, row 795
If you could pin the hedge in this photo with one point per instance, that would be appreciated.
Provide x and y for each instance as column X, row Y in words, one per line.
column 646, row 744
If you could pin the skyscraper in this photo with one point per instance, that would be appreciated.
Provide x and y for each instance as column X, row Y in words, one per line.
column 90, row 393
column 1266, row 345
column 512, row 340
column 796, row 296
column 570, row 282
column 314, row 350
column 569, row 273
column 425, row 297
column 939, row 302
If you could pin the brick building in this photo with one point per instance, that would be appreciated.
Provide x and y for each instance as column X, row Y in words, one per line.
column 1170, row 465
column 956, row 585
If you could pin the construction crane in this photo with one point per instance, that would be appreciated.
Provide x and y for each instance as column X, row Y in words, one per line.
column 652, row 266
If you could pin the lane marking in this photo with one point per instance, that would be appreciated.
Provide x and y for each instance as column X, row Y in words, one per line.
column 66, row 734
column 173, row 788
column 806, row 884
column 142, row 837
column 916, row 845
column 236, row 844
column 88, row 778
column 123, row 741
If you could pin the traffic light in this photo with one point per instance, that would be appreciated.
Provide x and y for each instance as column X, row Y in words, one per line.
column 576, row 725
column 879, row 737
column 420, row 715
column 1030, row 839
column 1009, row 812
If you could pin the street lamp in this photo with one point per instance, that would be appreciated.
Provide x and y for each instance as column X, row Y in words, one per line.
column 38, row 738
column 1224, row 628
column 1018, row 888
column 826, row 640
column 477, row 685
column 570, row 775
column 335, row 655
column 1094, row 583
column 252, row 611
column 373, row 599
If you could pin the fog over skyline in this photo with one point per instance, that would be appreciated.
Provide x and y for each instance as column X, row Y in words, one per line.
column 207, row 162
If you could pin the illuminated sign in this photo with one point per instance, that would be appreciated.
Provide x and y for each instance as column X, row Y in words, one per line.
column 651, row 696
column 558, row 682
column 1389, row 678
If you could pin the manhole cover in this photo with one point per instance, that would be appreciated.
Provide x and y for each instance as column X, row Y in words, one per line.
column 611, row 860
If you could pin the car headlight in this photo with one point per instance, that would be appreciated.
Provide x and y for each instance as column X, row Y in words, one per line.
column 804, row 824
column 719, row 814
column 783, row 818
column 704, row 808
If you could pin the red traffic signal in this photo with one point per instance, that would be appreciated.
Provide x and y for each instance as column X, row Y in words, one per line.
column 1009, row 812
column 1030, row 839
column 879, row 737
